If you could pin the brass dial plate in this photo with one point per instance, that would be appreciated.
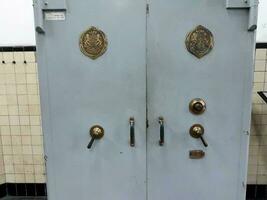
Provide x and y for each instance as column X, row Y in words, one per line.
column 197, row 106
column 200, row 41
column 93, row 43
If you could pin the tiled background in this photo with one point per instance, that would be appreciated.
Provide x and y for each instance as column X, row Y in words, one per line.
column 2, row 169
column 257, row 173
column 20, row 130
column 21, row 149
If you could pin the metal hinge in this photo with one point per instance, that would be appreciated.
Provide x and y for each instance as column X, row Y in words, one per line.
column 40, row 6
column 45, row 158
column 252, row 5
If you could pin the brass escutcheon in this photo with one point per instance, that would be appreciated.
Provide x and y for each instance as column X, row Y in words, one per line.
column 96, row 132
column 196, row 154
column 197, row 106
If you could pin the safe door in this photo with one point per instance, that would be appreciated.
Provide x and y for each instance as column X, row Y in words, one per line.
column 200, row 64
column 92, row 65
column 145, row 99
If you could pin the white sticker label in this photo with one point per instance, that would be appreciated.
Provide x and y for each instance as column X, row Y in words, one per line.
column 55, row 16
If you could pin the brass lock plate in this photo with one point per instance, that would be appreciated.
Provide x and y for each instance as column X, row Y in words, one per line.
column 97, row 132
column 196, row 154
column 197, row 106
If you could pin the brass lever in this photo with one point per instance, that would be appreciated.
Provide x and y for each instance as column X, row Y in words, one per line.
column 197, row 131
column 132, row 136
column 161, row 123
column 96, row 132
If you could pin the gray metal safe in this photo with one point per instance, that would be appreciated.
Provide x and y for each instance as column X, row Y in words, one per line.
column 146, row 100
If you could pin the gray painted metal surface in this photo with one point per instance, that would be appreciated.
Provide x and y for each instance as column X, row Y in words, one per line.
column 146, row 68
column 77, row 93
column 223, row 78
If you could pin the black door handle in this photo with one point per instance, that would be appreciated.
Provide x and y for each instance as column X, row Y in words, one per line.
column 161, row 123
column 132, row 135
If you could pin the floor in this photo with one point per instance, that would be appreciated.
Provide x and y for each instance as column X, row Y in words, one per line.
column 24, row 198
column 43, row 198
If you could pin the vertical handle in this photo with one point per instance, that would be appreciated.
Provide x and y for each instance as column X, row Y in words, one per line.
column 132, row 136
column 161, row 123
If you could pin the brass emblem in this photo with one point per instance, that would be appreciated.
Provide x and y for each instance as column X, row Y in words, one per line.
column 93, row 43
column 200, row 41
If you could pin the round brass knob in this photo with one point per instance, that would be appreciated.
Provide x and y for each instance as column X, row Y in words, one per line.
column 96, row 132
column 197, row 106
column 197, row 131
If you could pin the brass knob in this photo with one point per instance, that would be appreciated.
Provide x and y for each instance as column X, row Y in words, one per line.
column 197, row 106
column 96, row 132
column 197, row 131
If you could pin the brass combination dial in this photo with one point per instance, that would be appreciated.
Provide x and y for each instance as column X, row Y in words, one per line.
column 197, row 106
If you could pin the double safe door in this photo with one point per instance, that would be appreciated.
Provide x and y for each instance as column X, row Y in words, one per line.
column 146, row 102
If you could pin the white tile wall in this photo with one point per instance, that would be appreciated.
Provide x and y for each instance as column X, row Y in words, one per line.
column 20, row 121
column 257, row 173
column 2, row 166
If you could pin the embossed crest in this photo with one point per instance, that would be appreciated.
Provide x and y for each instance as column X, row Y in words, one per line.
column 200, row 41
column 93, row 43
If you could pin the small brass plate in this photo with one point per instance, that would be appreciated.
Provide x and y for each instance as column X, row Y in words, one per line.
column 197, row 106
column 93, row 43
column 196, row 154
column 200, row 41
column 97, row 132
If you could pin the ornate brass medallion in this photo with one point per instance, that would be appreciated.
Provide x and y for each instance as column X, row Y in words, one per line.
column 200, row 41
column 93, row 43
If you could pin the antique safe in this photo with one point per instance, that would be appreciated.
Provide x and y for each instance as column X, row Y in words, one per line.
column 146, row 100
